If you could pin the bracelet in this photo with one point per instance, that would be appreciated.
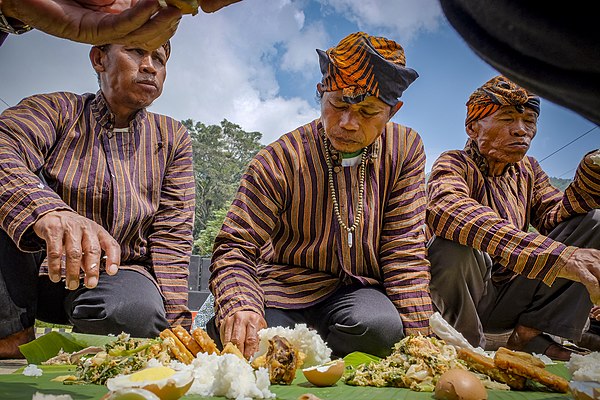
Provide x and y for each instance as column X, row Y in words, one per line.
column 6, row 27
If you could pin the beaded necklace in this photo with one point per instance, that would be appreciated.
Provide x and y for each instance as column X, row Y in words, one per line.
column 361, row 191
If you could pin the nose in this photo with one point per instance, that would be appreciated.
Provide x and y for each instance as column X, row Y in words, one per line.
column 348, row 120
column 520, row 128
column 147, row 64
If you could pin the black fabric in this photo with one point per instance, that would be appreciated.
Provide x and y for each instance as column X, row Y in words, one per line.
column 550, row 48
column 354, row 318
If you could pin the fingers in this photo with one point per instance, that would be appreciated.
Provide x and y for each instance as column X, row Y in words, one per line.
column 155, row 32
column 112, row 252
column 241, row 329
column 75, row 244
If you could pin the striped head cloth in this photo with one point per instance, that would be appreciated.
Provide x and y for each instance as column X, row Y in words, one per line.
column 498, row 92
column 362, row 65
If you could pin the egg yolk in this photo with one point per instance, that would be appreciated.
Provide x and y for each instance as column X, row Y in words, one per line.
column 152, row 374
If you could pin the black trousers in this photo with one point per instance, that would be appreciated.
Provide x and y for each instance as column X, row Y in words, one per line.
column 126, row 302
column 463, row 292
column 354, row 318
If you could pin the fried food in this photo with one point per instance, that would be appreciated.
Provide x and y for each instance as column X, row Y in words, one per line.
column 176, row 347
column 207, row 345
column 186, row 6
column 528, row 366
column 231, row 348
column 188, row 341
column 486, row 365
column 282, row 360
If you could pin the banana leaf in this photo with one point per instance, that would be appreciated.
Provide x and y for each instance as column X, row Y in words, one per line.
column 16, row 386
column 47, row 346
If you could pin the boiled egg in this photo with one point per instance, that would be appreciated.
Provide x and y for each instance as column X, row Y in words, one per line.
column 326, row 374
column 164, row 382
column 459, row 384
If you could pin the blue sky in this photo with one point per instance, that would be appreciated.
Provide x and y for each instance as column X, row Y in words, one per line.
column 254, row 63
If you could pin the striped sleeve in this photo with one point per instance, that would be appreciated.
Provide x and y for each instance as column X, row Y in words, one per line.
column 170, row 240
column 402, row 256
column 454, row 214
column 551, row 207
column 247, row 227
column 27, row 133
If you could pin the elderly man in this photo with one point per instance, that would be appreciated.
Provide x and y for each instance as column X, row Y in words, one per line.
column 327, row 226
column 92, row 184
column 490, row 272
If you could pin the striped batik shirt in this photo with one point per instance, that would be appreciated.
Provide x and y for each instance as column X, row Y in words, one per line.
column 281, row 245
column 493, row 213
column 138, row 185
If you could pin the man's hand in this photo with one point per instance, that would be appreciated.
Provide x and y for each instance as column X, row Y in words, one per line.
column 242, row 329
column 584, row 266
column 81, row 241
column 140, row 23
column 209, row 6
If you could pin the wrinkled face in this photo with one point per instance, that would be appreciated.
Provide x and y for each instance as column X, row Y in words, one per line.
column 504, row 136
column 350, row 127
column 131, row 78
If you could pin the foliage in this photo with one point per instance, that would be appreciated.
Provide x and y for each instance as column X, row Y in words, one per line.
column 560, row 183
column 221, row 153
column 204, row 243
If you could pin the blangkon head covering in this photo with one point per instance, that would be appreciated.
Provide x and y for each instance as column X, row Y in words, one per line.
column 498, row 92
column 362, row 65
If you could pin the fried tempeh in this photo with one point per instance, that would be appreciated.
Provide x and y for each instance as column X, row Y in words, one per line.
column 207, row 345
column 486, row 365
column 231, row 348
column 187, row 339
column 526, row 365
column 176, row 347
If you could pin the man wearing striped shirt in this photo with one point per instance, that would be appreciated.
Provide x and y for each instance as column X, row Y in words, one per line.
column 327, row 227
column 490, row 271
column 96, row 206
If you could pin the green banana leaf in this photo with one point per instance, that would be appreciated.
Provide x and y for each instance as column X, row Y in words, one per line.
column 47, row 346
column 16, row 386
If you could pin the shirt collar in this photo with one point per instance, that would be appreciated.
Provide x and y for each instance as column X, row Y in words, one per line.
column 106, row 118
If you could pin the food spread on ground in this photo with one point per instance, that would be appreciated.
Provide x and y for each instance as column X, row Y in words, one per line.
column 181, row 363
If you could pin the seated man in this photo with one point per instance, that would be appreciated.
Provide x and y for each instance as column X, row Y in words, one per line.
column 92, row 184
column 327, row 226
column 490, row 272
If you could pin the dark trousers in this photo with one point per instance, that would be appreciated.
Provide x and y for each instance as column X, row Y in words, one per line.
column 463, row 292
column 354, row 318
column 126, row 302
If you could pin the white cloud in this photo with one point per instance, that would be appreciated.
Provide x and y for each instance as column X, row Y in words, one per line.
column 399, row 17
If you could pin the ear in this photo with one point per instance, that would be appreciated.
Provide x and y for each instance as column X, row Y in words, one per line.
column 395, row 108
column 320, row 88
column 472, row 129
column 96, row 55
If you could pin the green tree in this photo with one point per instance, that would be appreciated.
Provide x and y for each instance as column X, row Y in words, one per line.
column 221, row 154
column 203, row 245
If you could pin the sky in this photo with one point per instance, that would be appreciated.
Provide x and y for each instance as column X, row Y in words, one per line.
column 254, row 63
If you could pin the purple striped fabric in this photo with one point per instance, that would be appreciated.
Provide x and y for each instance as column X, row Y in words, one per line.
column 281, row 245
column 493, row 213
column 137, row 185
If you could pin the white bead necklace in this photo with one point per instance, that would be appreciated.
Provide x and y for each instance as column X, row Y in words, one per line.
column 361, row 191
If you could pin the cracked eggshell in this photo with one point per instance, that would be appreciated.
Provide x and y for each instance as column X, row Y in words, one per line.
column 164, row 382
column 326, row 374
column 459, row 384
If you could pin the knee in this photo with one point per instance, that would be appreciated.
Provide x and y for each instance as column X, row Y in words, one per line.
column 139, row 319
column 375, row 335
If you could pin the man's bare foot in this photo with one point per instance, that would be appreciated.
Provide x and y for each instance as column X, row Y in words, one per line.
column 532, row 340
column 9, row 346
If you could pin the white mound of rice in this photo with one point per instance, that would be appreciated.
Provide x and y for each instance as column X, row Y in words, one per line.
column 304, row 339
column 227, row 375
column 585, row 368
column 32, row 370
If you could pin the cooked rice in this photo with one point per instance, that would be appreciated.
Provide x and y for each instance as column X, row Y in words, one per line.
column 301, row 337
